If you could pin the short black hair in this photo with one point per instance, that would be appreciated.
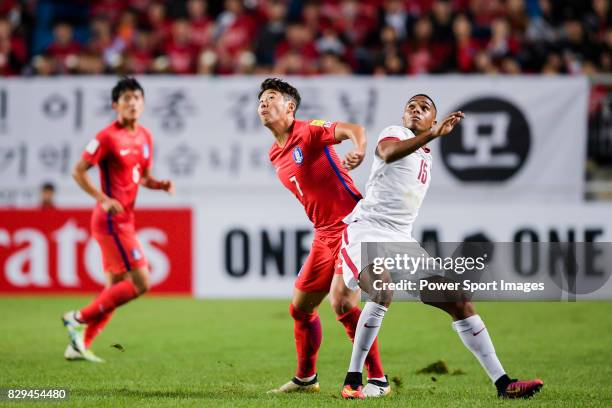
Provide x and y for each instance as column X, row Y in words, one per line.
column 125, row 84
column 425, row 96
column 48, row 186
column 277, row 84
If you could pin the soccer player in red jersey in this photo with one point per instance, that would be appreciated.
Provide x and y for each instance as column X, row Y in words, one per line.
column 308, row 166
column 123, row 151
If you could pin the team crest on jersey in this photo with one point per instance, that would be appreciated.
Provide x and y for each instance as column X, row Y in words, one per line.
column 145, row 151
column 298, row 156
column 319, row 122
column 136, row 254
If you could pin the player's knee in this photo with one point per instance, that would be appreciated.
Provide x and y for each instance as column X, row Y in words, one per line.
column 464, row 309
column 341, row 304
column 141, row 282
column 142, row 287
column 382, row 297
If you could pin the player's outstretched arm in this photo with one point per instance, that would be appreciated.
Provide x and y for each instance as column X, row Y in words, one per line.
column 392, row 150
column 147, row 180
column 79, row 173
column 356, row 133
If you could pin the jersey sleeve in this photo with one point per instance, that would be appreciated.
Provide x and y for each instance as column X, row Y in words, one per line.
column 97, row 149
column 394, row 133
column 322, row 133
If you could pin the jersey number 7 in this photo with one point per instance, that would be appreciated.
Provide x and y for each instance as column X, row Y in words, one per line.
column 293, row 179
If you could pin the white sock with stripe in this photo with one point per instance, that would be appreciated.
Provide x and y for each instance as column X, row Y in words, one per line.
column 475, row 336
column 368, row 326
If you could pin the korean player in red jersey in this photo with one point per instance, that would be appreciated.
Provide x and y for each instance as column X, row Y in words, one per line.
column 123, row 151
column 308, row 166
column 386, row 215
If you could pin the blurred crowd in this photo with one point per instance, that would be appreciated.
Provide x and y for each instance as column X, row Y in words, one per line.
column 380, row 37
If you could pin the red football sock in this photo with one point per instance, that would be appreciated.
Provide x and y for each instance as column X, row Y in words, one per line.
column 308, row 336
column 94, row 328
column 372, row 363
column 108, row 300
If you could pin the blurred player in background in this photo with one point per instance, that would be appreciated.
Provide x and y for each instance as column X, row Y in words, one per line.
column 398, row 182
column 123, row 151
column 309, row 167
column 47, row 196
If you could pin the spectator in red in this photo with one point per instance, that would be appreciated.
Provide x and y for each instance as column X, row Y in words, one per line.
column 465, row 46
column 605, row 56
column 160, row 25
column 13, row 51
column 517, row 18
column 235, row 28
column 101, row 36
column 599, row 19
column 181, row 53
column 483, row 12
column 294, row 63
column 63, row 50
column 313, row 18
column 423, row 54
column 139, row 57
column 200, row 23
column 356, row 20
column 299, row 40
column 109, row 9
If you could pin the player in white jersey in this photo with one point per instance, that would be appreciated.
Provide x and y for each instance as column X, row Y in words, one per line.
column 397, row 185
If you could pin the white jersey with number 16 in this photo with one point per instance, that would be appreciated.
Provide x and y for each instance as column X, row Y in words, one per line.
column 395, row 191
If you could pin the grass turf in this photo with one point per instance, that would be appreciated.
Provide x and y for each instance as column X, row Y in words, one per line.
column 185, row 352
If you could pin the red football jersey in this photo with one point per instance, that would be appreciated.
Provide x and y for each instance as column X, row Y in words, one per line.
column 121, row 156
column 310, row 168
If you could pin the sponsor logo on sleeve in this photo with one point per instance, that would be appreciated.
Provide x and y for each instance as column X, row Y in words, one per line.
column 92, row 146
column 321, row 123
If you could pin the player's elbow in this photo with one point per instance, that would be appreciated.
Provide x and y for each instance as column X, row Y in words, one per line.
column 386, row 155
column 360, row 134
column 77, row 173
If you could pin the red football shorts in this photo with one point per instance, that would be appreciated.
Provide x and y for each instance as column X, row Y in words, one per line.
column 121, row 250
column 318, row 270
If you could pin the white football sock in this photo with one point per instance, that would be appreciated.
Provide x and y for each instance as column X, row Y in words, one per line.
column 368, row 326
column 307, row 379
column 475, row 336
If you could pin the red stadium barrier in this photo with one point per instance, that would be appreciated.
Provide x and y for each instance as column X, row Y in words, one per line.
column 51, row 251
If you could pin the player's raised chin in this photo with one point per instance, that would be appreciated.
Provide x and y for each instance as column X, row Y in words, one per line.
column 274, row 106
column 419, row 114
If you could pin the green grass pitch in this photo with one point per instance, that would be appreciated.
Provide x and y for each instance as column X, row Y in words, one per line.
column 185, row 352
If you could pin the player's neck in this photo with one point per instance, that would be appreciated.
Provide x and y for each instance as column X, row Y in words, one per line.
column 129, row 125
column 281, row 131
